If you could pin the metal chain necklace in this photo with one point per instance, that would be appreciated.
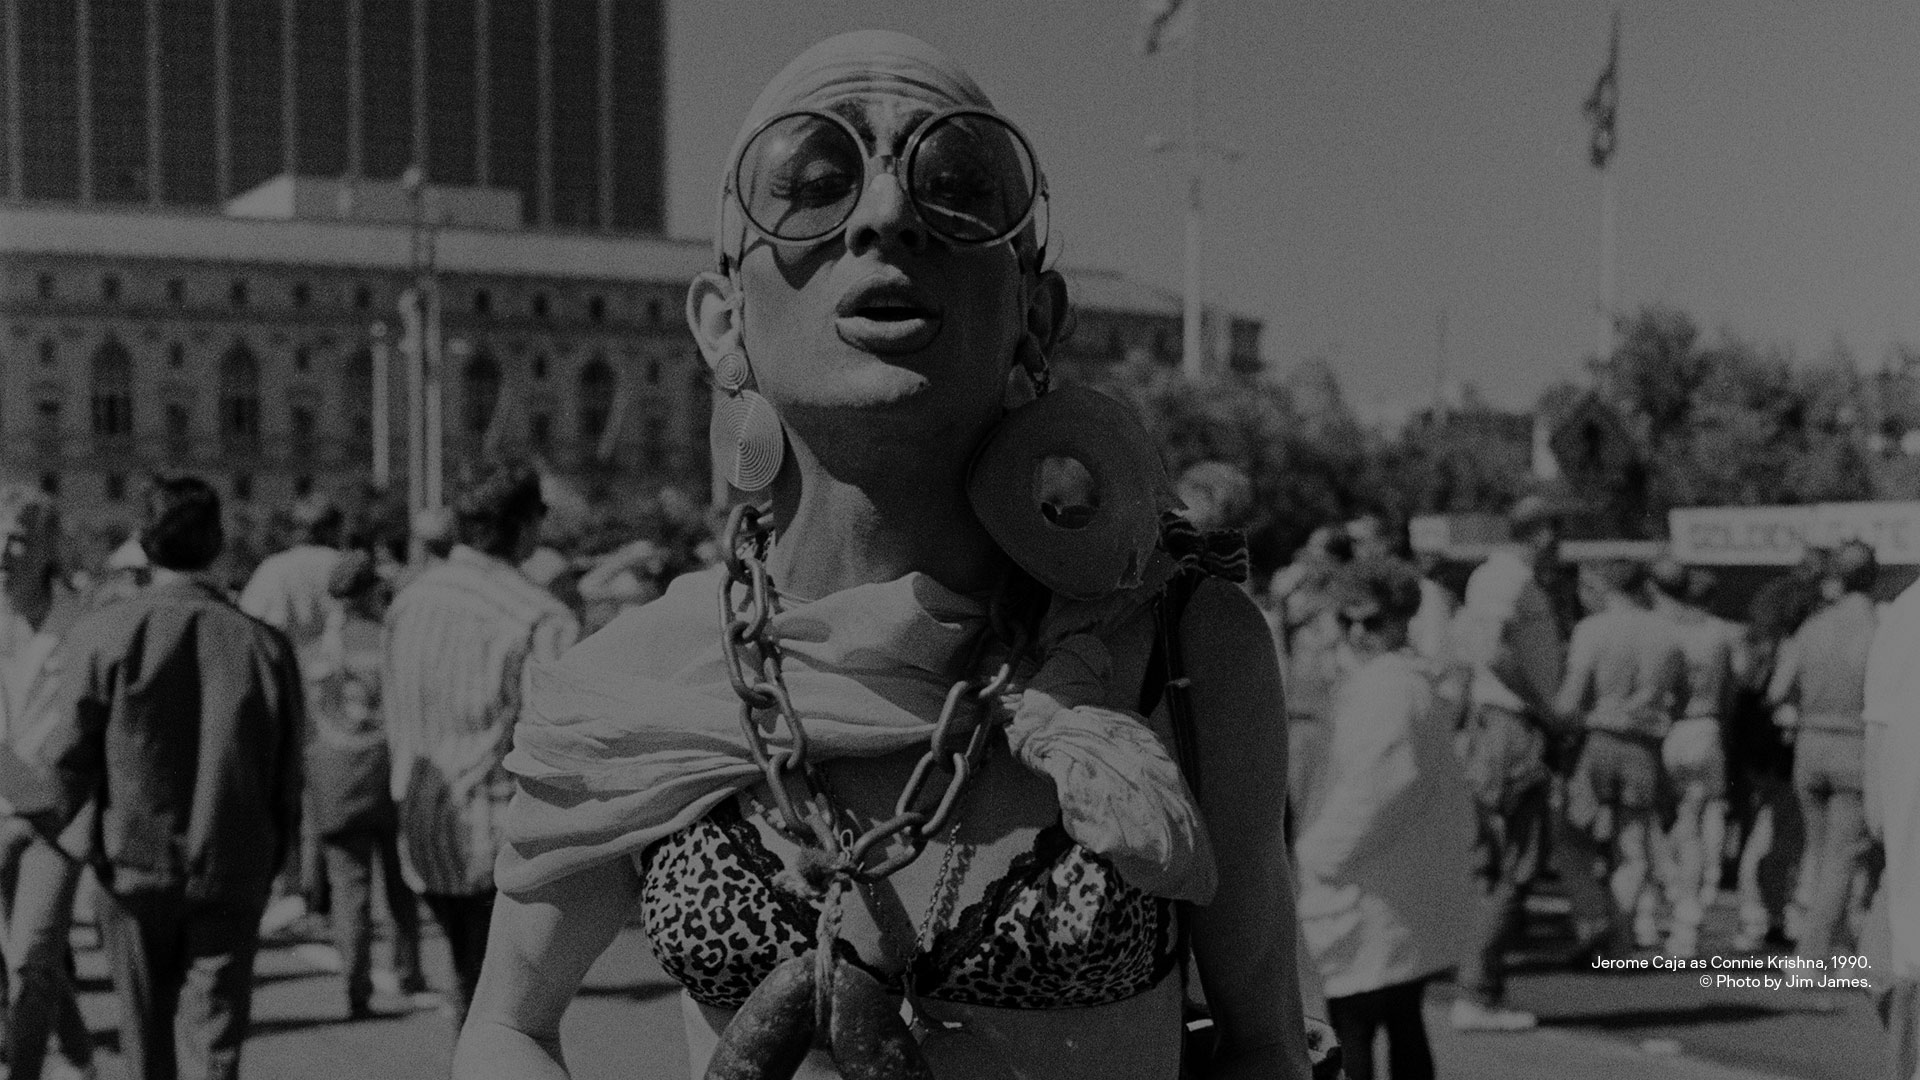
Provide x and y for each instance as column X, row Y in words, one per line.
column 834, row 856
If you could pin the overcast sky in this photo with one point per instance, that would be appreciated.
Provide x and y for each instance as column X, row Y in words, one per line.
column 1398, row 160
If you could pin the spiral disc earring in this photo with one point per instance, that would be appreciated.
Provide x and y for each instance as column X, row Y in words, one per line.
column 746, row 437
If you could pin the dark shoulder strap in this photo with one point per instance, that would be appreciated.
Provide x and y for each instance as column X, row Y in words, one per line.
column 1166, row 676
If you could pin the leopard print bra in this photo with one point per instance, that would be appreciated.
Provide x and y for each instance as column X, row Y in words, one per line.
column 1060, row 930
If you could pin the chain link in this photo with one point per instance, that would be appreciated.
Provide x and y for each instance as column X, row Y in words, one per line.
column 958, row 742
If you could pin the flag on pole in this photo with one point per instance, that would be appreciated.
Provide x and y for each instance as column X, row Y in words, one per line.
column 1602, row 107
column 1165, row 24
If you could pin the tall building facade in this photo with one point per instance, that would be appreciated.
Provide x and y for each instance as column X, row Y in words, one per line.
column 243, row 350
column 191, row 102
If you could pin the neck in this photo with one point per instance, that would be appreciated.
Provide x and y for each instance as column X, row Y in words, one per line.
column 835, row 533
column 164, row 576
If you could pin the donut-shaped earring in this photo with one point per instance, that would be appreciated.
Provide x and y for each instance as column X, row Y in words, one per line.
column 1071, row 488
column 745, row 437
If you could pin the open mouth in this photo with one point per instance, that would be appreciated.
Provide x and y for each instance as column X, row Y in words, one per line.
column 887, row 315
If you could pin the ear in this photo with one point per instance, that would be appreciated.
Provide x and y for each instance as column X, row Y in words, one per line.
column 1047, row 308
column 713, row 314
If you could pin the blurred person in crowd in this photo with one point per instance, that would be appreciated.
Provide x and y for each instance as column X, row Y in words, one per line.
column 37, row 879
column 1311, row 650
column 1626, row 674
column 623, row 578
column 1822, row 678
column 176, row 752
column 1506, row 629
column 1760, row 764
column 350, row 772
column 1386, row 893
column 1432, row 626
column 1370, row 537
column 1891, row 779
column 460, row 643
column 1693, row 753
column 1217, row 495
column 288, row 591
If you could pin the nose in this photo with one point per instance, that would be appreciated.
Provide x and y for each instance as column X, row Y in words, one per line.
column 884, row 217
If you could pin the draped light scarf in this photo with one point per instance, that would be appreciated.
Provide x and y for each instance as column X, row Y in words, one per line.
column 635, row 733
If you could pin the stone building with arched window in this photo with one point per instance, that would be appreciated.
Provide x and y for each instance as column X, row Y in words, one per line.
column 242, row 349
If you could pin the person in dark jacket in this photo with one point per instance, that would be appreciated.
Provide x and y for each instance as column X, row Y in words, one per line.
column 176, row 758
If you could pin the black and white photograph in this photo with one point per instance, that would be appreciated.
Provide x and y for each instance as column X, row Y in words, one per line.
column 978, row 540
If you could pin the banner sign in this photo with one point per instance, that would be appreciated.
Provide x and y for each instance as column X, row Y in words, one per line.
column 1780, row 535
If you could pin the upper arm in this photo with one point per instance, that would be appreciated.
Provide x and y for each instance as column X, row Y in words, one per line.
column 1786, row 672
column 1245, row 939
column 1573, row 688
column 541, row 945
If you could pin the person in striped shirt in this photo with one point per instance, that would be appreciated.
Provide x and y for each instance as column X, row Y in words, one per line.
column 460, row 641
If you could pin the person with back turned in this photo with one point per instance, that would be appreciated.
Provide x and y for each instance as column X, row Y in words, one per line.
column 176, row 757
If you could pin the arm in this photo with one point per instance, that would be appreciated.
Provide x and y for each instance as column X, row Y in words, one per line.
column 1372, row 765
column 1783, row 689
column 539, row 948
column 1246, row 940
column 75, row 747
column 1572, row 699
column 288, row 692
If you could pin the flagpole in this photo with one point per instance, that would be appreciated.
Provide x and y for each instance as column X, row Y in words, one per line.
column 1192, row 361
column 1609, row 198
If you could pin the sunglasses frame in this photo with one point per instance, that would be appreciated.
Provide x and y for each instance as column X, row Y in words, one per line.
column 899, row 165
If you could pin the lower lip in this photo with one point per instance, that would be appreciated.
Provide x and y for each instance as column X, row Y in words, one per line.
column 891, row 337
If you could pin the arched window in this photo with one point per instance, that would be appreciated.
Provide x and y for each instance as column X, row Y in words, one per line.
column 359, row 372
column 112, row 391
column 480, row 393
column 596, row 399
column 240, row 398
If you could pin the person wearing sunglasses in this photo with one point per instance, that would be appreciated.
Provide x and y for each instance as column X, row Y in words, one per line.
column 911, row 805
column 1387, row 899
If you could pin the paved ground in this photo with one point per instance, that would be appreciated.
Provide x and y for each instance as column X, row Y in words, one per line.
column 626, row 1026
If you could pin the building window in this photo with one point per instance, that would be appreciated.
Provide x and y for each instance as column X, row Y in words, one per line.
column 301, row 294
column 596, row 400
column 176, row 356
column 540, row 431
column 654, row 312
column 540, row 366
column 303, row 429
column 47, row 287
column 116, row 486
column 482, row 301
column 242, row 486
column 540, row 305
column 302, row 486
column 302, row 358
column 653, row 371
column 50, row 483
column 179, row 430
column 362, row 297
column 240, row 398
column 237, row 292
column 176, row 291
column 480, row 393
column 110, row 289
column 597, row 308
column 49, row 411
column 655, row 447
column 49, row 352
column 112, row 391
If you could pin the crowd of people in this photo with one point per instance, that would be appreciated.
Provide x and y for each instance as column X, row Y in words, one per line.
column 236, row 764
column 1628, row 743
column 976, row 773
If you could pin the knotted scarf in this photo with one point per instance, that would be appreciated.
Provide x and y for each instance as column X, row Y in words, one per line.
column 635, row 733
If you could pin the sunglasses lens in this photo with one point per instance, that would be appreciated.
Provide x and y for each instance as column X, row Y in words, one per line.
column 800, row 178
column 973, row 178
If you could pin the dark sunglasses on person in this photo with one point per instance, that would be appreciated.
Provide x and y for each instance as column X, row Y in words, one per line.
column 970, row 177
